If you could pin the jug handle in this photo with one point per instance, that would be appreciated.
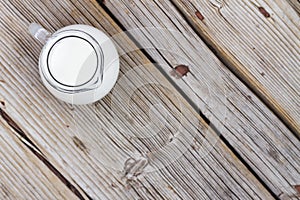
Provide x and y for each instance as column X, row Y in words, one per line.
column 38, row 32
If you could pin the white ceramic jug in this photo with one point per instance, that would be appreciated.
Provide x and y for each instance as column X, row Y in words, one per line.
column 78, row 64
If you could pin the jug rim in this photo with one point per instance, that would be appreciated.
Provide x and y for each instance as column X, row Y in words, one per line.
column 94, row 82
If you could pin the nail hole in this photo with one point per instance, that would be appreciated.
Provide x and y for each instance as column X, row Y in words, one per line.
column 263, row 11
column 199, row 15
column 3, row 103
column 179, row 71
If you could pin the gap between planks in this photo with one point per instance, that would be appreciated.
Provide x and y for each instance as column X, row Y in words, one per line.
column 50, row 131
column 285, row 104
column 21, row 135
column 133, row 15
column 20, row 167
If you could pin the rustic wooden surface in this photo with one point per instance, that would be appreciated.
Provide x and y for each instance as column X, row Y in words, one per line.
column 255, row 158
column 243, row 107
column 260, row 41
column 23, row 175
column 296, row 5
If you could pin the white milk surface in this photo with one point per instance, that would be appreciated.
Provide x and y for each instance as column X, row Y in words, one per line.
column 72, row 61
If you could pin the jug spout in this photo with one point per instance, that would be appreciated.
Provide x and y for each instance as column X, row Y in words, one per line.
column 38, row 32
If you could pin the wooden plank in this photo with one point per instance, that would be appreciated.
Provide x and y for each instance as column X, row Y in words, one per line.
column 260, row 41
column 20, row 168
column 88, row 145
column 251, row 128
column 295, row 4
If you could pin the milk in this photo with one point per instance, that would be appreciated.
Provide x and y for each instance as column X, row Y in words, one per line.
column 72, row 61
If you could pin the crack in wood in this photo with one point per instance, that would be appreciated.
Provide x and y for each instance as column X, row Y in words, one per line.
column 4, row 192
column 78, row 143
column 295, row 4
column 36, row 151
column 230, row 64
column 21, row 134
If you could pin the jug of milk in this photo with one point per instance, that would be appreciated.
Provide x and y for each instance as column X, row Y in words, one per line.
column 78, row 64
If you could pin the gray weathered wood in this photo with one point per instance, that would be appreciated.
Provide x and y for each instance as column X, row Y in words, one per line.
column 263, row 50
column 295, row 4
column 251, row 128
column 85, row 142
column 22, row 175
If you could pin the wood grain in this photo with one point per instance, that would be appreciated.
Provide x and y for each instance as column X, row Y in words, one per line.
column 22, row 175
column 88, row 144
column 250, row 127
column 263, row 51
column 295, row 4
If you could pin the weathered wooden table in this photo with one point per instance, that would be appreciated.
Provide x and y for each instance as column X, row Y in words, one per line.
column 228, row 129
